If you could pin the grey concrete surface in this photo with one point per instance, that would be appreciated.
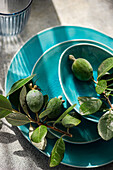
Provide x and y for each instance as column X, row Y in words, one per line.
column 16, row 153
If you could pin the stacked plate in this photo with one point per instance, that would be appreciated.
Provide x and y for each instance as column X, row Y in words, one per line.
column 42, row 55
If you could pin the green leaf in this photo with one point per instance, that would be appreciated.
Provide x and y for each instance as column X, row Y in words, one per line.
column 5, row 106
column 90, row 107
column 105, row 126
column 22, row 98
column 105, row 66
column 41, row 145
column 85, row 99
column 65, row 113
column 110, row 121
column 45, row 113
column 101, row 86
column 70, row 121
column 109, row 89
column 17, row 85
column 39, row 134
column 57, row 153
column 17, row 119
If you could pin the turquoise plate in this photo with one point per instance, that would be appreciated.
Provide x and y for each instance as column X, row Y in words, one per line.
column 71, row 86
column 46, row 70
column 87, row 155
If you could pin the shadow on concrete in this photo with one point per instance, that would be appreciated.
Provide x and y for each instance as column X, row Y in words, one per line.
column 43, row 15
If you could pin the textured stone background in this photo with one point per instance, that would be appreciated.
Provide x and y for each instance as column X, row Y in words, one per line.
column 16, row 153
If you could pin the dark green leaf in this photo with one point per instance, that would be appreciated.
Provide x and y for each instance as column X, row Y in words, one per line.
column 104, row 126
column 101, row 86
column 50, row 136
column 17, row 119
column 17, row 85
column 5, row 106
column 90, row 107
column 106, row 76
column 70, row 121
column 65, row 113
column 22, row 98
column 104, row 107
column 39, row 134
column 46, row 97
column 57, row 153
column 105, row 66
column 45, row 113
column 109, row 77
column 14, row 98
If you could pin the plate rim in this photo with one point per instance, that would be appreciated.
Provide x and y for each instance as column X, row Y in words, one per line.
column 79, row 43
column 69, row 165
column 62, row 41
column 45, row 30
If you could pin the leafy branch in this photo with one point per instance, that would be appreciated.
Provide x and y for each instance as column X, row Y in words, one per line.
column 104, row 88
column 34, row 107
column 41, row 113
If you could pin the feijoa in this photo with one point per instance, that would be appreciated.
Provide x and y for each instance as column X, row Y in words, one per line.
column 34, row 100
column 55, row 105
column 81, row 68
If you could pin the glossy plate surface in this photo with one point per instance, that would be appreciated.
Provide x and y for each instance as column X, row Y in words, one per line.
column 74, row 88
column 87, row 155
column 46, row 70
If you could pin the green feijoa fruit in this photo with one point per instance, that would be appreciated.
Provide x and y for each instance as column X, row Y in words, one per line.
column 82, row 69
column 55, row 106
column 34, row 100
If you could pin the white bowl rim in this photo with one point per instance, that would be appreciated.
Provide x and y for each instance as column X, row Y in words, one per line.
column 59, row 67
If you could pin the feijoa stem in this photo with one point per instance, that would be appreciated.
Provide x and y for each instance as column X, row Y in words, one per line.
column 71, row 57
column 51, row 127
column 107, row 98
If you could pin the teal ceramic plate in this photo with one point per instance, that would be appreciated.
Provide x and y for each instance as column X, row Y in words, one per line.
column 87, row 155
column 74, row 88
column 46, row 70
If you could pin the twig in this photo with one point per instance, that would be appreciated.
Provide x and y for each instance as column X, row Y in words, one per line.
column 51, row 127
column 108, row 100
column 58, row 130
